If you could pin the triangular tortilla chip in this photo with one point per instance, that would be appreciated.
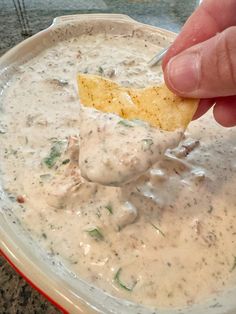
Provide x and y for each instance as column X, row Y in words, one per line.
column 156, row 105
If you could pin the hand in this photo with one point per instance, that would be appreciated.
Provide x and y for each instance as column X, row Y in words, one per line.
column 201, row 63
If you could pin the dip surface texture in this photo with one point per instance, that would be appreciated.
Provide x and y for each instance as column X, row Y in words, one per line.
column 166, row 239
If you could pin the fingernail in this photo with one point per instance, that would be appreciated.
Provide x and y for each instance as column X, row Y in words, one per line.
column 183, row 72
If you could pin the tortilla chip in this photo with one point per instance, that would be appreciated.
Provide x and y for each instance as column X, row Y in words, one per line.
column 156, row 105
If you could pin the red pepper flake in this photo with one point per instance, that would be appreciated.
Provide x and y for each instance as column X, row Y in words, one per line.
column 20, row 199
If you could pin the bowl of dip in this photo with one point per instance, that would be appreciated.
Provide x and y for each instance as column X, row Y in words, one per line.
column 165, row 245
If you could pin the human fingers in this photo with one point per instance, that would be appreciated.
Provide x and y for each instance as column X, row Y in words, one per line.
column 225, row 111
column 203, row 107
column 208, row 19
column 207, row 70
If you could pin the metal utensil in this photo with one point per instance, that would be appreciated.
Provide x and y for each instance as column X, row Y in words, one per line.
column 158, row 57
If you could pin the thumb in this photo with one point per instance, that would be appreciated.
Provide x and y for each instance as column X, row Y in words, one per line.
column 205, row 70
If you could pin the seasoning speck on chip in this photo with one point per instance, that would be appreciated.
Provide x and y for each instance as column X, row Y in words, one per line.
column 156, row 105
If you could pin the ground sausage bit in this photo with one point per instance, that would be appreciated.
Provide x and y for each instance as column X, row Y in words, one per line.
column 21, row 199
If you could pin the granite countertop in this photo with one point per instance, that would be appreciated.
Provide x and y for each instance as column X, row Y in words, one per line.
column 20, row 19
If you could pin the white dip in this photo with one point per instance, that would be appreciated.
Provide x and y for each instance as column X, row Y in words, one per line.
column 169, row 236
column 114, row 151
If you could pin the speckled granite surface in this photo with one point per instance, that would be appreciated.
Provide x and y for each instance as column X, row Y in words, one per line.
column 16, row 296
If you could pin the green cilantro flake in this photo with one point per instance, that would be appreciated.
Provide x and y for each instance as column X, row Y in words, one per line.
column 45, row 176
column 100, row 70
column 109, row 208
column 55, row 153
column 125, row 123
column 158, row 229
column 96, row 234
column 66, row 161
column 120, row 283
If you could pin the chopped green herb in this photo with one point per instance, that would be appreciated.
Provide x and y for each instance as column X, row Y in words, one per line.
column 100, row 70
column 125, row 123
column 159, row 230
column 66, row 161
column 54, row 154
column 109, row 208
column 12, row 198
column 2, row 131
column 120, row 283
column 45, row 176
column 146, row 144
column 44, row 235
column 234, row 265
column 210, row 209
column 53, row 139
column 96, row 233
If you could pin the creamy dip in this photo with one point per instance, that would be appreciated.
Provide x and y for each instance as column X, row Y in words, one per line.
column 114, row 151
column 167, row 239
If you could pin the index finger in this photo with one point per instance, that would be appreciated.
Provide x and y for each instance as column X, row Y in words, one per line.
column 211, row 17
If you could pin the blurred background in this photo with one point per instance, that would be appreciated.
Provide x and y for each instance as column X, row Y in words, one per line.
column 20, row 19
